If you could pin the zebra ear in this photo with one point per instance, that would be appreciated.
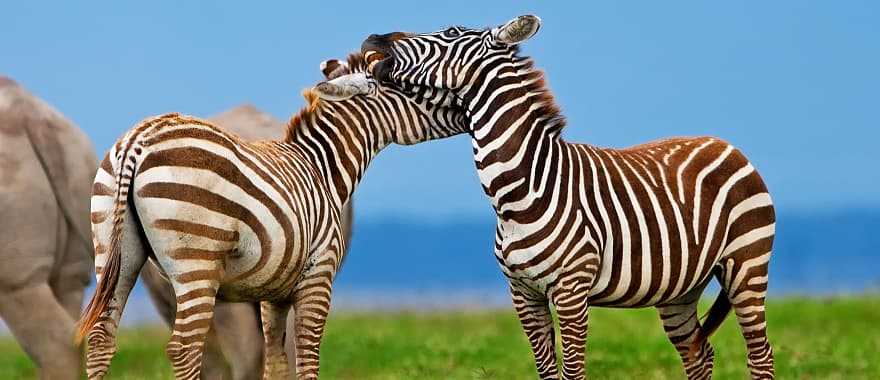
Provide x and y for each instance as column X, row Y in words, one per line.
column 344, row 87
column 334, row 68
column 517, row 30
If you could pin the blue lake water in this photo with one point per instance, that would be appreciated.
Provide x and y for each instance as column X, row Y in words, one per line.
column 821, row 253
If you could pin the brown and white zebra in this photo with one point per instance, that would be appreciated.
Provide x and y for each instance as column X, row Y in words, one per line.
column 242, row 221
column 234, row 346
column 580, row 225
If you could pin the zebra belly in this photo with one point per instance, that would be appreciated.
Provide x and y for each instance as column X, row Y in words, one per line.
column 674, row 281
column 238, row 285
column 623, row 280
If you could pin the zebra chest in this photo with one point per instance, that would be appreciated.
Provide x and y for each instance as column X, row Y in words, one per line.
column 524, row 259
column 549, row 255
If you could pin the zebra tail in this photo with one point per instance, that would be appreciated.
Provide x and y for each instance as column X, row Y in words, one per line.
column 106, row 288
column 711, row 321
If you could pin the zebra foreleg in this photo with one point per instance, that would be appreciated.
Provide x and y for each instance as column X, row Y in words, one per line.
column 274, row 316
column 311, row 306
column 537, row 322
column 573, row 313
column 681, row 323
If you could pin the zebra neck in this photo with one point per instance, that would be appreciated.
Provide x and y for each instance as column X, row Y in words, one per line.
column 516, row 140
column 340, row 152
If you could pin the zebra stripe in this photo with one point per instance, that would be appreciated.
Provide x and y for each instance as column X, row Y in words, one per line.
column 242, row 221
column 580, row 225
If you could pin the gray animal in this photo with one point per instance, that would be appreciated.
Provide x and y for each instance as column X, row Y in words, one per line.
column 235, row 343
column 46, row 170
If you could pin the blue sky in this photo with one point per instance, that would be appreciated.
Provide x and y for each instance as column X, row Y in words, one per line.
column 794, row 84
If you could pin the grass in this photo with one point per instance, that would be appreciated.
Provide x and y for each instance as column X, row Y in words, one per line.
column 835, row 338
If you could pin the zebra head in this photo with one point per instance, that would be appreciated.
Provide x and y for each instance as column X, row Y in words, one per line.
column 448, row 66
column 406, row 120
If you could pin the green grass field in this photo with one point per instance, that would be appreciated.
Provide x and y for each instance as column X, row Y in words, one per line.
column 835, row 338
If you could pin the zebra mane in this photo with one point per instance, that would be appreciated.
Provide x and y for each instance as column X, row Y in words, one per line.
column 537, row 85
column 356, row 64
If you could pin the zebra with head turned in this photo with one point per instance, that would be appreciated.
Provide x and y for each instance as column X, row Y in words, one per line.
column 243, row 221
column 580, row 225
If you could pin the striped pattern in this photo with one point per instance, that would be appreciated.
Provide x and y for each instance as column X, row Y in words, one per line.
column 580, row 225
column 241, row 221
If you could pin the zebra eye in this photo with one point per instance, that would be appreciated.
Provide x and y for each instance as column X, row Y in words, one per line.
column 452, row 32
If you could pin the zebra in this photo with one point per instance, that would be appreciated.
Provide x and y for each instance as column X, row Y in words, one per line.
column 579, row 225
column 242, row 221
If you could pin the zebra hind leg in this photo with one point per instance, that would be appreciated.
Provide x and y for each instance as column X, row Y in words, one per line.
column 274, row 316
column 681, row 323
column 101, row 339
column 745, row 282
column 195, row 292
